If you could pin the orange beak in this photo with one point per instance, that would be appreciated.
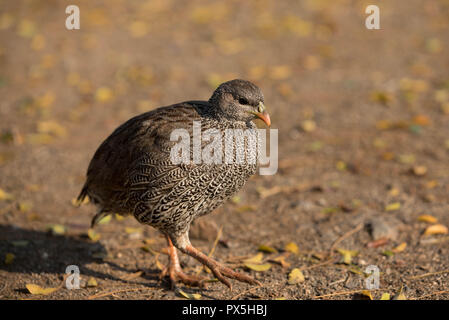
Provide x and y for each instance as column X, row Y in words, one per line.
column 264, row 116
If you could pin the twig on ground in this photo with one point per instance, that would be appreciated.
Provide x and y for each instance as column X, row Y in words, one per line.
column 245, row 292
column 345, row 236
column 434, row 294
column 342, row 293
column 429, row 274
column 105, row 294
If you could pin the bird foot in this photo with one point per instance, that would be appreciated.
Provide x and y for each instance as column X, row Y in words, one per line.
column 220, row 272
column 176, row 275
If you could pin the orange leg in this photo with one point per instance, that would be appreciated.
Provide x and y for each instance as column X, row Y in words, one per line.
column 217, row 269
column 174, row 270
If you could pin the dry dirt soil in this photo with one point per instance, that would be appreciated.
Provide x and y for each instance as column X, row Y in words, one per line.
column 363, row 120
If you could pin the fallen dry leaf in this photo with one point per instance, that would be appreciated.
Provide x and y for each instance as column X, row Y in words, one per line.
column 419, row 170
column 35, row 289
column 9, row 258
column 103, row 94
column 92, row 282
column 105, row 220
column 57, row 229
column 400, row 247
column 385, row 296
column 295, row 276
column 292, row 247
column 94, row 236
column 393, row 206
column 267, row 249
column 258, row 267
column 347, row 255
column 367, row 294
column 191, row 296
column 255, row 259
column 130, row 230
column 4, row 196
column 427, row 218
column 436, row 229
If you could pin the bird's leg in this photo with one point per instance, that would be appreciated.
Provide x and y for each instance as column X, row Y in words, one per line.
column 220, row 271
column 174, row 270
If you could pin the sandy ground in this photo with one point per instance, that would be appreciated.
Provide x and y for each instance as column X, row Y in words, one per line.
column 363, row 119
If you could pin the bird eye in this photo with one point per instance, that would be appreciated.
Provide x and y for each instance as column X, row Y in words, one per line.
column 243, row 101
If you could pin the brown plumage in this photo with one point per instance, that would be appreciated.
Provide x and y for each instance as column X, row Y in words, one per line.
column 132, row 172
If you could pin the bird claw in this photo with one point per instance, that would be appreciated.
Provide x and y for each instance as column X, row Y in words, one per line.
column 176, row 275
column 222, row 272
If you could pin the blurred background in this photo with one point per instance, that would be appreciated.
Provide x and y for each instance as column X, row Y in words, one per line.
column 363, row 119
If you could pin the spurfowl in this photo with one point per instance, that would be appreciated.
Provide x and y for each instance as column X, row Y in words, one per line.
column 132, row 172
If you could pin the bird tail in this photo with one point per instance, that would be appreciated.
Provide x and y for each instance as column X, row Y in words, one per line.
column 98, row 216
column 83, row 194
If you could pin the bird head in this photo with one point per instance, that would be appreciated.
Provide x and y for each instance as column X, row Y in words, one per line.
column 240, row 100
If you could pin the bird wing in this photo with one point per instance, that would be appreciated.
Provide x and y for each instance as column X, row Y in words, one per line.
column 139, row 150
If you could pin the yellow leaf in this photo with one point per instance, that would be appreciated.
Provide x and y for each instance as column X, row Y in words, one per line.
column 130, row 230
column 292, row 247
column 268, row 249
column 394, row 192
column 105, row 220
column 400, row 247
column 407, row 158
column 119, row 217
column 347, row 255
column 93, row 235
column 258, row 267
column 308, row 125
column 6, row 21
column 421, row 120
column 9, row 258
column 255, row 259
column 393, row 206
column 295, row 276
column 191, row 296
column 246, row 208
column 92, row 282
column 138, row 29
column 281, row 260
column 427, row 218
column 158, row 263
column 39, row 138
column 280, row 72
column 26, row 28
column 341, row 166
column 35, row 289
column 382, row 97
column 76, row 203
column 57, row 229
column 5, row 195
column 312, row 62
column 51, row 127
column 419, row 170
column 367, row 293
column 38, row 42
column 400, row 295
column 103, row 94
column 385, row 296
column 436, row 229
column 46, row 100
column 25, row 206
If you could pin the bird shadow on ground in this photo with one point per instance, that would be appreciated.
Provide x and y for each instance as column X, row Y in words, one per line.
column 38, row 252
